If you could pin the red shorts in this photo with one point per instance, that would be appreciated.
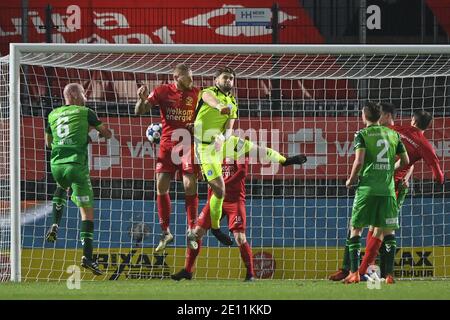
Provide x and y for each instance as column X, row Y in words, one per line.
column 235, row 212
column 165, row 162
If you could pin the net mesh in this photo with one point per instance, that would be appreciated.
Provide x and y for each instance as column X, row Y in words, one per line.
column 297, row 218
column 5, row 233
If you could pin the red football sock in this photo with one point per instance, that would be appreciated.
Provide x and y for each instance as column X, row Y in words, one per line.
column 191, row 203
column 369, row 237
column 247, row 257
column 163, row 203
column 191, row 255
column 370, row 255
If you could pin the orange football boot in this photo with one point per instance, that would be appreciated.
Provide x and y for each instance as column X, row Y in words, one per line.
column 339, row 275
column 390, row 279
column 353, row 277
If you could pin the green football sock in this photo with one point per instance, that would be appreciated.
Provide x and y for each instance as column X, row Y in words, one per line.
column 346, row 261
column 382, row 257
column 87, row 237
column 354, row 249
column 390, row 250
column 215, row 205
column 59, row 202
column 274, row 156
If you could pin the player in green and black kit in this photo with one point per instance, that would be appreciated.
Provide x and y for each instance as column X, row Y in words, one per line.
column 67, row 136
column 215, row 115
column 375, row 202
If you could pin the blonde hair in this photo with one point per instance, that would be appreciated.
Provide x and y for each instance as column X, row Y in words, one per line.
column 181, row 68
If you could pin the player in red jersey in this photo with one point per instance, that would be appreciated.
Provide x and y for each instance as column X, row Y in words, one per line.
column 417, row 147
column 234, row 173
column 177, row 102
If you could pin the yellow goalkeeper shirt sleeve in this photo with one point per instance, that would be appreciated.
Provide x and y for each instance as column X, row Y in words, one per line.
column 209, row 121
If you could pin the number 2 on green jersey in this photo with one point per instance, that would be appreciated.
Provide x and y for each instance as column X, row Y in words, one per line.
column 381, row 155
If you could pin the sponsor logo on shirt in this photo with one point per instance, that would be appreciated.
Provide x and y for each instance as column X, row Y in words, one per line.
column 189, row 102
column 410, row 141
column 176, row 114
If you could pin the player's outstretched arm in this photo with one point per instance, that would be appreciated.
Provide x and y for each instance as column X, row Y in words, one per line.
column 360, row 154
column 142, row 105
column 213, row 102
column 432, row 160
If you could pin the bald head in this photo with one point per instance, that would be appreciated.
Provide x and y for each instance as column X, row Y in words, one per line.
column 74, row 94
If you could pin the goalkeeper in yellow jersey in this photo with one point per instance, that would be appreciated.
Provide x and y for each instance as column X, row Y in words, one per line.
column 235, row 170
column 216, row 113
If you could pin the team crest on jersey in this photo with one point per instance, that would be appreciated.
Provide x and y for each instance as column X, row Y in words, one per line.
column 209, row 173
column 189, row 101
column 158, row 165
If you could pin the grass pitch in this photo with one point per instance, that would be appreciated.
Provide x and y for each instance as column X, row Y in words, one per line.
column 225, row 290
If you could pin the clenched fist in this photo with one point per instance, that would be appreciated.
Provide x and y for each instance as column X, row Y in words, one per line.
column 143, row 92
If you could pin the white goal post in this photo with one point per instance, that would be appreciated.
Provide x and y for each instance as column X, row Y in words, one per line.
column 362, row 63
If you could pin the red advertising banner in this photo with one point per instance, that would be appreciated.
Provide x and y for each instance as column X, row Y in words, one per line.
column 32, row 152
column 327, row 141
column 132, row 21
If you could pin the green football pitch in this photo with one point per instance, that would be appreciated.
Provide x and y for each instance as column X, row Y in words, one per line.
column 225, row 290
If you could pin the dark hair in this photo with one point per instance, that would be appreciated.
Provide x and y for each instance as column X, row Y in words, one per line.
column 224, row 70
column 423, row 119
column 372, row 111
column 181, row 67
column 387, row 107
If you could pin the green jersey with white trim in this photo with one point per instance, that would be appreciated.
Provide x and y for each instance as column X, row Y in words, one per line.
column 381, row 146
column 69, row 127
column 209, row 121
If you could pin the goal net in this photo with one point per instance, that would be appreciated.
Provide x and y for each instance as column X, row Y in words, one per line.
column 293, row 99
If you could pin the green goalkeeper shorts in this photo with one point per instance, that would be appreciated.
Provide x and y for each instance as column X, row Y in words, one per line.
column 211, row 160
column 77, row 177
column 377, row 211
